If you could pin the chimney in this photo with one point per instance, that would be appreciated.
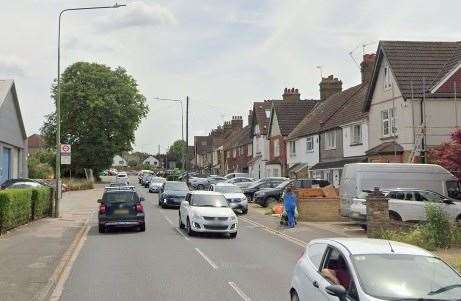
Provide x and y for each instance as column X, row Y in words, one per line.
column 236, row 123
column 366, row 67
column 250, row 117
column 330, row 85
column 227, row 128
column 291, row 95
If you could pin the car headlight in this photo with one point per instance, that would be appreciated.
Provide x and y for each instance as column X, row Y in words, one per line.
column 244, row 199
column 196, row 216
column 233, row 217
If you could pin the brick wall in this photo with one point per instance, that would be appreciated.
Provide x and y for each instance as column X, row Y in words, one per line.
column 319, row 210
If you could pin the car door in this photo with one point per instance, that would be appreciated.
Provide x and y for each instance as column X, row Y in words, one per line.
column 307, row 273
column 438, row 201
column 402, row 203
column 184, row 208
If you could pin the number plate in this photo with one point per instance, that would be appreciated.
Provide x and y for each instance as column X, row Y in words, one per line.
column 121, row 211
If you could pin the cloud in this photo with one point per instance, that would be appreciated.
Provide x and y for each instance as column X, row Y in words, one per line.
column 139, row 14
column 12, row 66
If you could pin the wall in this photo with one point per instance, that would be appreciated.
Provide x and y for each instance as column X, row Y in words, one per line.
column 319, row 209
column 331, row 154
column 355, row 150
column 302, row 156
column 10, row 128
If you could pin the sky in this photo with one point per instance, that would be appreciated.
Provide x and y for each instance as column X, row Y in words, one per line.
column 222, row 54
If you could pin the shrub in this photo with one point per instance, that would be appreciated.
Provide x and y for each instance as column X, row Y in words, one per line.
column 40, row 164
column 78, row 184
column 41, row 202
column 15, row 208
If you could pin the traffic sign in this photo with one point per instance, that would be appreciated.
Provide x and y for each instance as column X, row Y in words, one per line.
column 65, row 159
column 65, row 149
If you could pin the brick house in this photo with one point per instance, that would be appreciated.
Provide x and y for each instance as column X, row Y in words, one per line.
column 35, row 143
column 202, row 146
column 238, row 151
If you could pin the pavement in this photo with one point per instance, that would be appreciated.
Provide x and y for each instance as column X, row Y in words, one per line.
column 68, row 259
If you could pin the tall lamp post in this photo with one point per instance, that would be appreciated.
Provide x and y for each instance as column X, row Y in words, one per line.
column 58, row 103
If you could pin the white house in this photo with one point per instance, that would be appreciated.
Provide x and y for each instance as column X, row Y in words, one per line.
column 412, row 99
column 13, row 139
column 152, row 161
column 259, row 127
column 118, row 161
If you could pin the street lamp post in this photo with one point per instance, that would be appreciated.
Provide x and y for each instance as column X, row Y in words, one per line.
column 58, row 103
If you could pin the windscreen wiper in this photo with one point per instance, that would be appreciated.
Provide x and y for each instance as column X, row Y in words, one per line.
column 444, row 289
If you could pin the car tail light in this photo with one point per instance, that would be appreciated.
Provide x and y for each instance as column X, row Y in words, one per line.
column 102, row 209
column 139, row 208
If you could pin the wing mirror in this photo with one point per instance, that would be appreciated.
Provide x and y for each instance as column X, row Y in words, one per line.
column 448, row 201
column 337, row 291
column 184, row 203
column 99, row 201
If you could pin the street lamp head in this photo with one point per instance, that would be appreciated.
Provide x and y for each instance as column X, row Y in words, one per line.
column 116, row 5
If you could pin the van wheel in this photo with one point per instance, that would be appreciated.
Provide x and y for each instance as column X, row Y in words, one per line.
column 394, row 216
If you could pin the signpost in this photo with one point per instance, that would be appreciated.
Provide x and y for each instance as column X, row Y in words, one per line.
column 65, row 154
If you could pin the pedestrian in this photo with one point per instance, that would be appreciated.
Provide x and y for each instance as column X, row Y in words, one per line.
column 289, row 202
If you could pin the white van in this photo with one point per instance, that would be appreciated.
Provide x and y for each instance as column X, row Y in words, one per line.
column 358, row 177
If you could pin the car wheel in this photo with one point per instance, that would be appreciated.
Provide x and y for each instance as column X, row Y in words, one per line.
column 181, row 225
column 232, row 235
column 245, row 211
column 458, row 220
column 102, row 229
column 189, row 230
column 294, row 296
column 200, row 187
column 142, row 228
column 394, row 216
column 269, row 200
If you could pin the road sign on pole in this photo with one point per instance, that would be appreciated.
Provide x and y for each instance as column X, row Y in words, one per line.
column 66, row 149
column 65, row 154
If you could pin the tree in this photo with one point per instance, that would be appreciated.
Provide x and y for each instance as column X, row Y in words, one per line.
column 41, row 164
column 101, row 108
column 448, row 154
column 177, row 150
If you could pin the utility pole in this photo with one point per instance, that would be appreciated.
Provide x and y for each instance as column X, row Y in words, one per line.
column 186, row 165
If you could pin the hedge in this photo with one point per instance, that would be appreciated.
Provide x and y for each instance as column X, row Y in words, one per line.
column 19, row 206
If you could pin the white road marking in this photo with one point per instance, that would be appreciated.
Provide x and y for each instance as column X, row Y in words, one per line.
column 239, row 291
column 182, row 234
column 168, row 220
column 213, row 265
column 275, row 232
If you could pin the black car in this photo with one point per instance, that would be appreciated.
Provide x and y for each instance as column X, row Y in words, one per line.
column 121, row 209
column 265, row 196
column 172, row 194
column 261, row 184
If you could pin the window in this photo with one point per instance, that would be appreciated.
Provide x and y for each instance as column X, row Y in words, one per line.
column 268, row 113
column 276, row 148
column 388, row 122
column 293, row 148
column 387, row 77
column 275, row 172
column 203, row 143
column 315, row 253
column 330, row 140
column 228, row 154
column 356, row 134
column 309, row 144
column 250, row 150
column 234, row 153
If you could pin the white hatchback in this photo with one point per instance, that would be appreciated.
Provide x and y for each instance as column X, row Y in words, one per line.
column 234, row 196
column 207, row 211
column 122, row 178
column 371, row 270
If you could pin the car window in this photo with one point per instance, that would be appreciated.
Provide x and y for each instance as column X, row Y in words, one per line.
column 335, row 264
column 176, row 186
column 315, row 253
column 204, row 200
column 431, row 196
column 120, row 197
column 454, row 189
column 227, row 189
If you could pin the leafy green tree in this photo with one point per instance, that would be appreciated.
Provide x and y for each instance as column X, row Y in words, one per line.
column 41, row 164
column 101, row 108
column 177, row 150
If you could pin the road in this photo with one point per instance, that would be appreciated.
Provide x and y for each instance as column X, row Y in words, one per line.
column 164, row 264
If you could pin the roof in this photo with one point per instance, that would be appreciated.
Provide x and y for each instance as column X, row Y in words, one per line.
column 204, row 192
column 242, row 137
column 338, row 163
column 290, row 114
column 259, row 115
column 357, row 246
column 417, row 66
column 385, row 148
column 5, row 87
column 331, row 112
column 202, row 149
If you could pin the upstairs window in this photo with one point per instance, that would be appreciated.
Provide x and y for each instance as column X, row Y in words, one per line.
column 330, row 140
column 309, row 144
column 388, row 122
column 292, row 148
column 387, row 77
column 268, row 113
column 250, row 150
column 234, row 153
column 356, row 134
column 276, row 148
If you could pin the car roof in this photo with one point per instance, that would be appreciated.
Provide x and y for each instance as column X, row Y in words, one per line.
column 119, row 190
column 225, row 184
column 174, row 182
column 358, row 246
column 204, row 192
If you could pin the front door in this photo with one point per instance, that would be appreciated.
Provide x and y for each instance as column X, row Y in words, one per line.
column 5, row 167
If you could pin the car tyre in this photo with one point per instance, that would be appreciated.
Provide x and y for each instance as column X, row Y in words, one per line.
column 394, row 216
column 294, row 296
column 232, row 235
column 189, row 230
column 102, row 229
column 269, row 200
column 142, row 228
column 245, row 211
column 200, row 187
column 181, row 225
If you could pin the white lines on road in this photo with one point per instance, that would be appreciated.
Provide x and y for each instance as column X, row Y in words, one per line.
column 239, row 291
column 213, row 265
column 182, row 234
column 168, row 220
column 289, row 238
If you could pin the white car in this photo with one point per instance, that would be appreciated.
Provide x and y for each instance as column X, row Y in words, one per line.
column 207, row 211
column 407, row 204
column 241, row 182
column 122, row 178
column 156, row 184
column 234, row 196
column 371, row 270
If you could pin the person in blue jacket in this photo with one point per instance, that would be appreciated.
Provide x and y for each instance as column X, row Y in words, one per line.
column 289, row 202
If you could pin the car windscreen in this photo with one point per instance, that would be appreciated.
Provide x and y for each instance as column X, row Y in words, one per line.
column 283, row 184
column 204, row 200
column 454, row 189
column 121, row 176
column 120, row 197
column 399, row 276
column 158, row 180
column 227, row 189
column 179, row 186
column 256, row 184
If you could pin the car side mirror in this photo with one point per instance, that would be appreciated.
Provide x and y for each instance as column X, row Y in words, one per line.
column 99, row 201
column 337, row 291
column 141, row 199
column 447, row 201
column 184, row 203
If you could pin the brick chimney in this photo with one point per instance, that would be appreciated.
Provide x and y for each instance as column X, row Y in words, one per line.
column 330, row 85
column 291, row 95
column 237, row 123
column 227, row 128
column 366, row 67
column 250, row 117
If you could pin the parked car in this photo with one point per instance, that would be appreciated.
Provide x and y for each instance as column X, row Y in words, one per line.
column 358, row 177
column 234, row 196
column 265, row 196
column 204, row 183
column 113, row 172
column 146, row 180
column 156, row 184
column 122, row 178
column 121, row 209
column 207, row 211
column 371, row 270
column 236, row 175
column 262, row 183
column 309, row 183
column 406, row 204
column 242, row 182
column 23, row 183
column 172, row 194
column 142, row 173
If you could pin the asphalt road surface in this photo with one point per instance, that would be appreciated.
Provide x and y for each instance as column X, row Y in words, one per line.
column 164, row 264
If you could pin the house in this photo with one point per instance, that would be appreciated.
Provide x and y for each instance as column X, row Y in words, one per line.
column 118, row 161
column 35, row 143
column 202, row 149
column 238, row 151
column 13, row 138
column 151, row 161
column 412, row 99
column 284, row 117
